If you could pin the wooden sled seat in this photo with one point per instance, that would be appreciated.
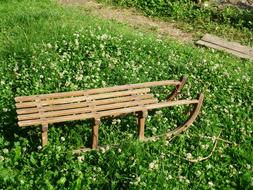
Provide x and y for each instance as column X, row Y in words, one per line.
column 97, row 103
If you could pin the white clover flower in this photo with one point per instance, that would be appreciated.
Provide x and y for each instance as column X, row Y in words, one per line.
column 181, row 178
column 119, row 53
column 169, row 177
column 198, row 173
column 62, row 138
column 104, row 37
column 118, row 121
column 159, row 112
column 162, row 156
column 205, row 146
column 79, row 77
column 39, row 147
column 137, row 180
column 5, row 109
column 5, row 151
column 206, row 4
column 248, row 166
column 153, row 165
column 99, row 169
column 209, row 166
column 58, row 148
column 102, row 150
column 102, row 46
column 80, row 159
column 76, row 42
column 210, row 184
column 114, row 121
column 189, row 156
column 107, row 147
column 1, row 158
column 49, row 45
column 119, row 150
column 154, row 129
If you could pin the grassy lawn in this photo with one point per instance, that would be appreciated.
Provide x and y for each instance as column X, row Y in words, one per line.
column 45, row 47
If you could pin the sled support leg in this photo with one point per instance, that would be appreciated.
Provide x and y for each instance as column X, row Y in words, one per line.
column 44, row 138
column 141, row 123
column 95, row 126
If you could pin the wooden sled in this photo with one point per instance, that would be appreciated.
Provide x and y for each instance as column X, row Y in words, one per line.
column 102, row 102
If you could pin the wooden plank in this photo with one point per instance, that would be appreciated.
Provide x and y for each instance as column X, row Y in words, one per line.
column 238, row 54
column 83, row 104
column 51, row 114
column 224, row 45
column 227, row 44
column 97, row 91
column 82, row 98
column 108, row 113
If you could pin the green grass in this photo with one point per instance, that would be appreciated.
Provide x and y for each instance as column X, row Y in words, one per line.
column 226, row 21
column 48, row 48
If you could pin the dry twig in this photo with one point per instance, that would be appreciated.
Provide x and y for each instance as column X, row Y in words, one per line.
column 200, row 158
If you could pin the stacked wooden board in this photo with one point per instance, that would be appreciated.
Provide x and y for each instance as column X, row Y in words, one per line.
column 224, row 45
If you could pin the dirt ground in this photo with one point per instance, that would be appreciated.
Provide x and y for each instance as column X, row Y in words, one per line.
column 131, row 17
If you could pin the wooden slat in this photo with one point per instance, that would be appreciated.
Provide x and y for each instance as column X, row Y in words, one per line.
column 82, row 98
column 230, row 47
column 227, row 44
column 108, row 113
column 83, row 104
column 47, row 115
column 97, row 91
column 200, row 42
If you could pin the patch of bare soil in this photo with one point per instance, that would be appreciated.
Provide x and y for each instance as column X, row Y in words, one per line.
column 132, row 18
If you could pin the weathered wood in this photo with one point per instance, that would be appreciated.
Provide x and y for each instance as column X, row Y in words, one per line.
column 113, row 100
column 97, row 91
column 228, row 44
column 178, row 89
column 208, row 44
column 141, row 123
column 95, row 127
column 185, row 126
column 108, row 113
column 224, row 45
column 44, row 137
column 82, row 98
column 193, row 116
column 97, row 103
column 86, row 110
